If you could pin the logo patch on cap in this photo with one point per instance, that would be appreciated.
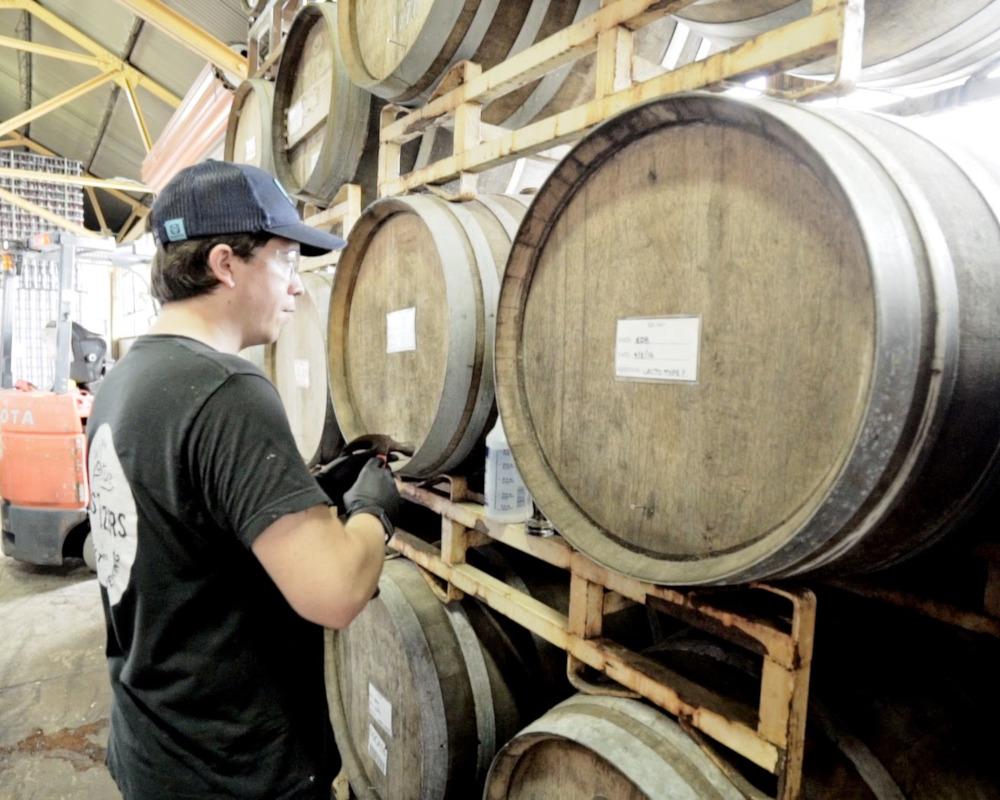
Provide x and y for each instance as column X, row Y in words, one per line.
column 175, row 230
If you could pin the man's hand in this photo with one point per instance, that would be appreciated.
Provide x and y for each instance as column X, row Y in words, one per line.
column 340, row 474
column 374, row 492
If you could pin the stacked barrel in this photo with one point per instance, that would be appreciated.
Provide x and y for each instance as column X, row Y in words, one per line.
column 731, row 340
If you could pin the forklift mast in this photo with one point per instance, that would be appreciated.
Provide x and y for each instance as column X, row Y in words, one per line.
column 55, row 246
column 43, row 450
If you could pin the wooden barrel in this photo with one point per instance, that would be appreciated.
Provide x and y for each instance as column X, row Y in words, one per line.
column 906, row 42
column 612, row 747
column 297, row 364
column 422, row 693
column 401, row 51
column 325, row 129
column 739, row 340
column 322, row 121
column 248, row 133
column 411, row 324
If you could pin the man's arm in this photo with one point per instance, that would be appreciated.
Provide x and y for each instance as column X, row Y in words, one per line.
column 326, row 570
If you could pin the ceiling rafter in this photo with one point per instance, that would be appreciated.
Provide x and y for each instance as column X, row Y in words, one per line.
column 112, row 68
column 107, row 60
column 25, row 65
column 190, row 35
column 45, row 50
column 43, row 108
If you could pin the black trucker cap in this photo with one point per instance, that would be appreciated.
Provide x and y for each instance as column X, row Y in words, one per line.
column 213, row 198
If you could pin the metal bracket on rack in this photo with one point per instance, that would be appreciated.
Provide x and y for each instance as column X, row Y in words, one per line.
column 848, row 58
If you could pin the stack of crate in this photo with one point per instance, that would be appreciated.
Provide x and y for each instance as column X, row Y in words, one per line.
column 61, row 199
column 36, row 301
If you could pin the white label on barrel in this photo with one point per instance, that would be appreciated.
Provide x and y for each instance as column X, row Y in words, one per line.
column 377, row 749
column 302, row 373
column 658, row 348
column 250, row 149
column 380, row 708
column 295, row 118
column 401, row 330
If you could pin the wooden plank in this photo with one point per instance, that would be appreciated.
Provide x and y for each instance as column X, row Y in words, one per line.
column 797, row 43
column 564, row 47
column 615, row 50
column 627, row 668
column 556, row 551
column 454, row 545
column 586, row 607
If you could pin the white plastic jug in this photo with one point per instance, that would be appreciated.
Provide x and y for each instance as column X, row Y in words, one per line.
column 506, row 495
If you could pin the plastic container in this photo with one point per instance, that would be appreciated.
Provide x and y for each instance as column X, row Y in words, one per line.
column 507, row 497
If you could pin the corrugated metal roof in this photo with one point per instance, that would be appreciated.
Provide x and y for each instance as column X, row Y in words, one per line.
column 98, row 128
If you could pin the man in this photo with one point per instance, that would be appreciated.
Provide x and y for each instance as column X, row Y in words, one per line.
column 218, row 556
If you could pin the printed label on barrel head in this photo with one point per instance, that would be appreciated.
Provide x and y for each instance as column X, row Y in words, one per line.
column 377, row 749
column 658, row 349
column 401, row 330
column 301, row 368
column 380, row 708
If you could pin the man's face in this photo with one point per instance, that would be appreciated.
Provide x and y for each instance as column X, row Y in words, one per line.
column 272, row 284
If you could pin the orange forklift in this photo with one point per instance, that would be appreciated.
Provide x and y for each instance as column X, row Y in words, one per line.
column 43, row 446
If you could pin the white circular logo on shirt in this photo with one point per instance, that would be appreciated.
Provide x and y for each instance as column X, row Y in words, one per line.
column 113, row 520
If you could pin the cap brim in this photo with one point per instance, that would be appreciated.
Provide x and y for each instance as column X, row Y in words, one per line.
column 313, row 241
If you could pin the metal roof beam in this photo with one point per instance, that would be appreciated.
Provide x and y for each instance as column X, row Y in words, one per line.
column 98, row 211
column 53, row 103
column 188, row 34
column 109, row 61
column 74, row 180
column 53, row 52
column 138, row 116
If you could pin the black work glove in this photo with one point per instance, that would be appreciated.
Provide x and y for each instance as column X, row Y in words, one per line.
column 340, row 474
column 374, row 492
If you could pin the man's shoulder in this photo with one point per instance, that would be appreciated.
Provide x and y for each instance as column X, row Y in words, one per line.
column 185, row 353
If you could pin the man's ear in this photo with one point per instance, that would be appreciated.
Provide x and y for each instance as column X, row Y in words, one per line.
column 220, row 262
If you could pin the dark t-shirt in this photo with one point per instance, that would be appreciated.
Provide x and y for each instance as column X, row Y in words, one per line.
column 217, row 683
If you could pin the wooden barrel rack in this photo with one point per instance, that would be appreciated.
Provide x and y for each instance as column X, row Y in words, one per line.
column 772, row 622
column 775, row 741
column 621, row 80
column 772, row 736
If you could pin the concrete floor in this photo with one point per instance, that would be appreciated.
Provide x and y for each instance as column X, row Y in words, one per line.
column 54, row 691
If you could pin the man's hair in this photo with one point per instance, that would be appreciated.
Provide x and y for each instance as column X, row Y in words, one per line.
column 180, row 269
